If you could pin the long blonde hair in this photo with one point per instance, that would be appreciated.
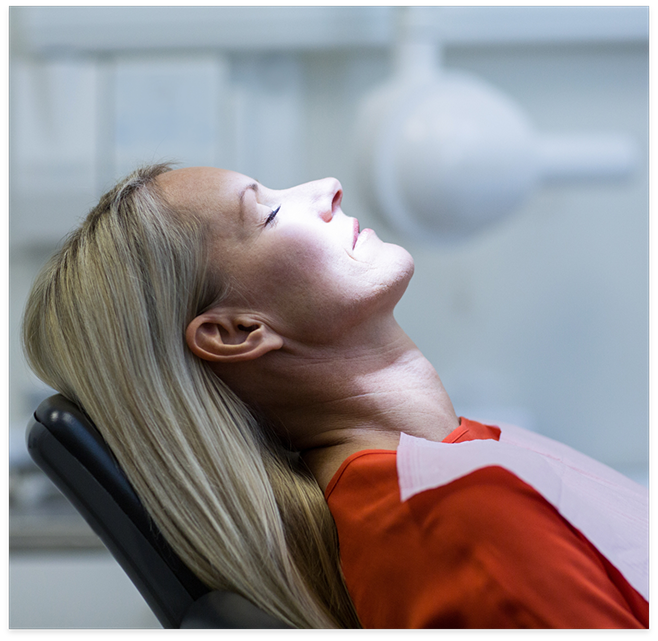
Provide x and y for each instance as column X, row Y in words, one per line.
column 104, row 325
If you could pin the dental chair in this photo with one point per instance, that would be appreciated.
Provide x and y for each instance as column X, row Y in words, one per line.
column 66, row 445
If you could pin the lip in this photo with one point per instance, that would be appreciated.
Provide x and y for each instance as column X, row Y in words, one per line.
column 356, row 232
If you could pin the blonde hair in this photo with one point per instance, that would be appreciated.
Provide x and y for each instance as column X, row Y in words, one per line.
column 104, row 325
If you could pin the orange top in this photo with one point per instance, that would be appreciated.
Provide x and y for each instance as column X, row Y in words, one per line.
column 484, row 551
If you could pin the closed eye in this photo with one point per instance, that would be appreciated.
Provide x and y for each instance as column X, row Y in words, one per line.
column 272, row 216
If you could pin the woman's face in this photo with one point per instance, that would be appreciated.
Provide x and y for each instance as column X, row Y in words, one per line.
column 292, row 255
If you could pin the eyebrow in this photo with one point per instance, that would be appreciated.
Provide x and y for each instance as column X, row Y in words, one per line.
column 254, row 188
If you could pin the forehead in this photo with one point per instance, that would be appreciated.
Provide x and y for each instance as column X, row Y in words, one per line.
column 206, row 191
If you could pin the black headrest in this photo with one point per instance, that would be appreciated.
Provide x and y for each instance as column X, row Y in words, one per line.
column 67, row 447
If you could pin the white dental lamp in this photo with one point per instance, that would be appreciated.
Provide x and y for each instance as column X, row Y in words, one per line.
column 442, row 154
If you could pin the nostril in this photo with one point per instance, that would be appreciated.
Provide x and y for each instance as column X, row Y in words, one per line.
column 335, row 203
column 329, row 188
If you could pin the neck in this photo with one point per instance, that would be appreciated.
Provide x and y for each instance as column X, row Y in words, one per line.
column 338, row 400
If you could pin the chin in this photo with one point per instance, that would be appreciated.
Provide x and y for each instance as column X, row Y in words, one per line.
column 400, row 269
column 402, row 261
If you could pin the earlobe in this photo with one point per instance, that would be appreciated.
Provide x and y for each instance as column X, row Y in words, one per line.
column 225, row 337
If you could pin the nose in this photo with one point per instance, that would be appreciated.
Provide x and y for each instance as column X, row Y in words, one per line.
column 330, row 197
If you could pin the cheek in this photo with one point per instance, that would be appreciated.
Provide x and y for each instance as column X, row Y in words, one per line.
column 304, row 255
column 304, row 274
column 305, row 284
column 283, row 272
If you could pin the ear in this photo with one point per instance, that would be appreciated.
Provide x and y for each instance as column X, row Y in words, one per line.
column 228, row 336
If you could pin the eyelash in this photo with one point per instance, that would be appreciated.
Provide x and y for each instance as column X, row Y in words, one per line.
column 272, row 216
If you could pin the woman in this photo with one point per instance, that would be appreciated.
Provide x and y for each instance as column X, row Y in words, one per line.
column 236, row 347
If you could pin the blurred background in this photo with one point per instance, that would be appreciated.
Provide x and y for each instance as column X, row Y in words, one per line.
column 539, row 318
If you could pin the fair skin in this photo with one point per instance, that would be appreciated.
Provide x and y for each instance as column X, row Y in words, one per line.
column 307, row 332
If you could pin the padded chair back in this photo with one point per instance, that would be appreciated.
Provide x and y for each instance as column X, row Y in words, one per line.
column 72, row 453
column 65, row 444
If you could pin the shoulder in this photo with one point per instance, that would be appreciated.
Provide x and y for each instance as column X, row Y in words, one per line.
column 491, row 496
column 363, row 466
column 369, row 479
column 472, row 553
column 488, row 508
